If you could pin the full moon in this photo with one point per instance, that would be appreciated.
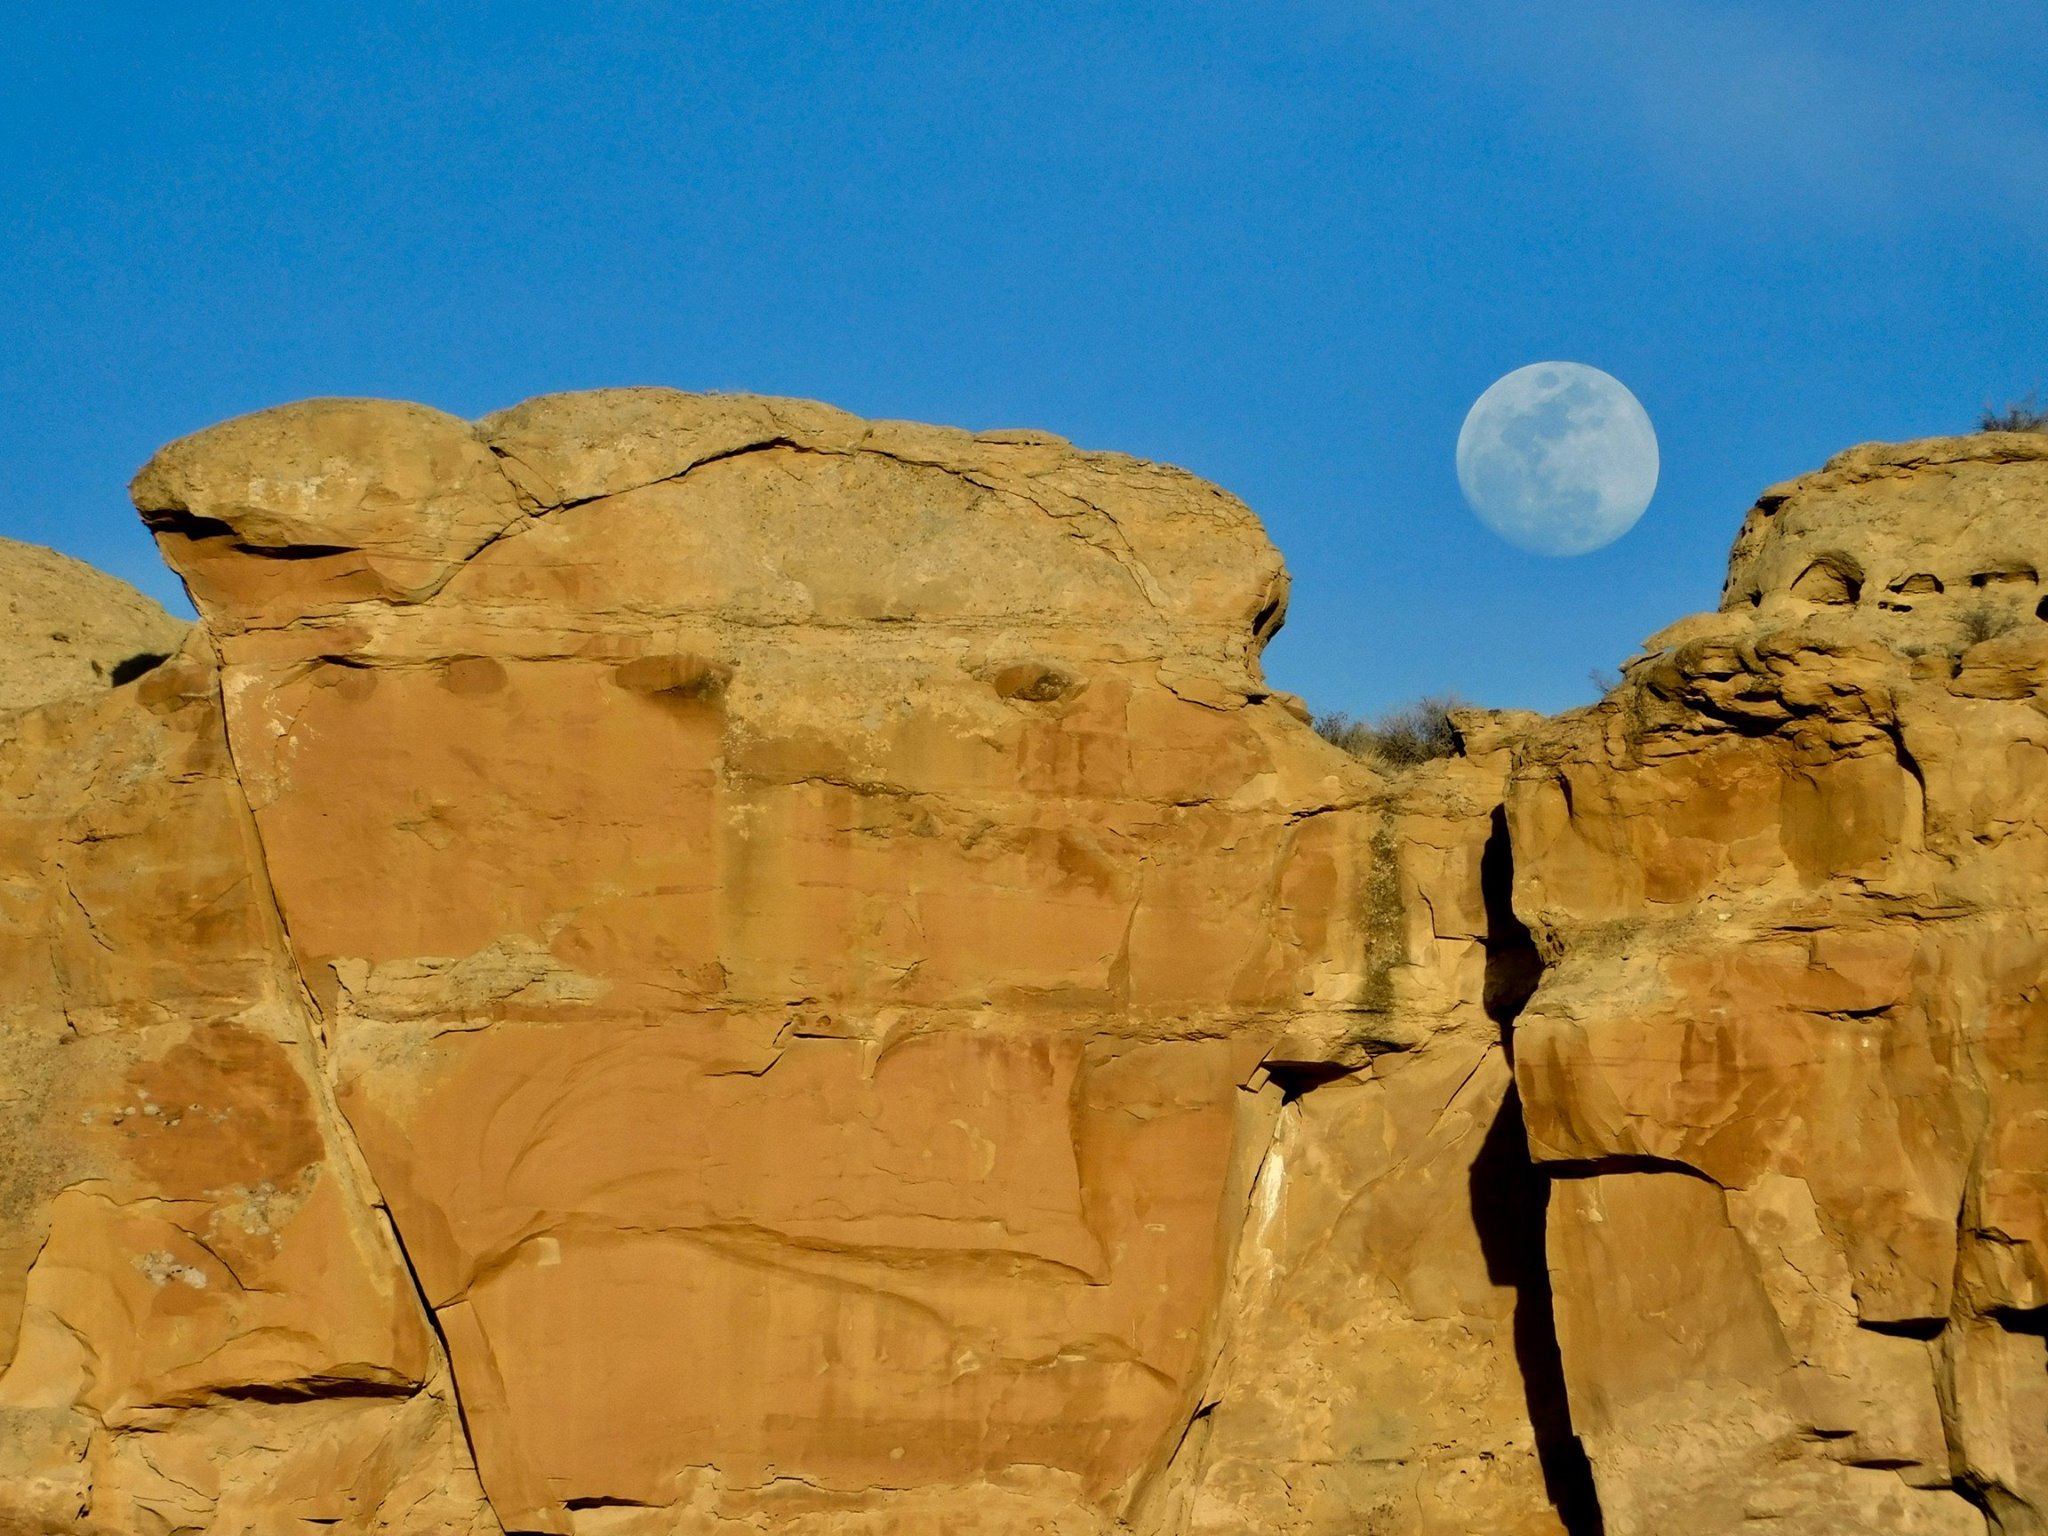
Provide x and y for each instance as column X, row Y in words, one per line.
column 1558, row 458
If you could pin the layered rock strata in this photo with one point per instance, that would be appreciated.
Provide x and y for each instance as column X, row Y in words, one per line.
column 666, row 963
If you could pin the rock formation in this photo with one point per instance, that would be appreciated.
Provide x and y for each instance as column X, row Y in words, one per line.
column 665, row 963
column 1790, row 1050
column 71, row 630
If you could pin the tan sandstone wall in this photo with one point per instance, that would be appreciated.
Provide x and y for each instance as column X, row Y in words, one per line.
column 1790, row 1050
column 204, row 1321
column 689, row 964
column 783, row 965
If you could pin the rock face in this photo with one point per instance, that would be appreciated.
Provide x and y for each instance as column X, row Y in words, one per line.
column 205, row 1320
column 71, row 630
column 667, row 963
column 1790, row 1051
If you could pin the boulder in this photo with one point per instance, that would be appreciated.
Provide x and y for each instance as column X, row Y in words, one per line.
column 72, row 631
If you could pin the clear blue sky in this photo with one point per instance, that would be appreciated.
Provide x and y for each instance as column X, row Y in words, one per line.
column 1284, row 244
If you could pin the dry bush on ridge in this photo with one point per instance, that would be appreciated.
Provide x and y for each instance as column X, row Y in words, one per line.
column 1413, row 733
column 2027, row 415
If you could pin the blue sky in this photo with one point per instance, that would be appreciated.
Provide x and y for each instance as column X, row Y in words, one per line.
column 1284, row 244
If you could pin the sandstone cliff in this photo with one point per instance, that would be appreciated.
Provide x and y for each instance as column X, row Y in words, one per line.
column 663, row 963
column 1791, row 1046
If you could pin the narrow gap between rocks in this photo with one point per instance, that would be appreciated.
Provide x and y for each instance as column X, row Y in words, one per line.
column 132, row 667
column 1510, row 1199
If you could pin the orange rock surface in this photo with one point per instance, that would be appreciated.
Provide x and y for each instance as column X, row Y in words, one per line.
column 1789, row 1055
column 666, row 963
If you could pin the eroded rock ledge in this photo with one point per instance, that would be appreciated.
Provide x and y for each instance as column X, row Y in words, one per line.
column 666, row 963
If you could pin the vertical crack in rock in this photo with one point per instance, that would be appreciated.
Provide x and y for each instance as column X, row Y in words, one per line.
column 1511, row 1200
column 1159, row 1504
column 1348, row 1251
column 336, row 1124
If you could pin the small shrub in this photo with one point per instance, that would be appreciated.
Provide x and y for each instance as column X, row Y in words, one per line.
column 1342, row 730
column 1985, row 622
column 1413, row 733
column 2028, row 415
